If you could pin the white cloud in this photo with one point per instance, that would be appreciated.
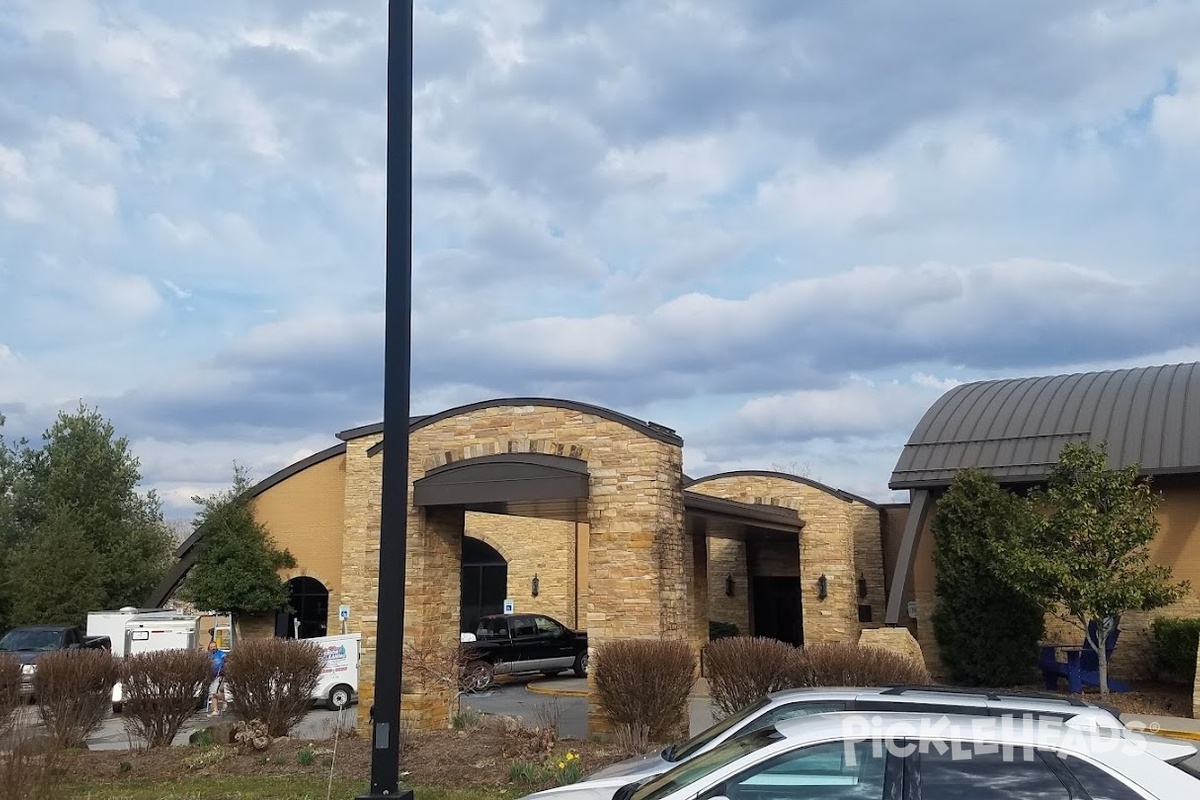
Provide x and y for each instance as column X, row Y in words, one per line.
column 1176, row 116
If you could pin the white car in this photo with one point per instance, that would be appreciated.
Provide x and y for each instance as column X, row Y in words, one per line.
column 921, row 756
column 803, row 702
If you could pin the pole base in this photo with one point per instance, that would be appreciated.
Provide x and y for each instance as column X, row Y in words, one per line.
column 403, row 794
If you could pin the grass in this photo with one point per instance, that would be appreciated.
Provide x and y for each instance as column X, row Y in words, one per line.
column 251, row 788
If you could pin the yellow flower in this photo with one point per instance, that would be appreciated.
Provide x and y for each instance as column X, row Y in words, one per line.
column 561, row 765
column 572, row 756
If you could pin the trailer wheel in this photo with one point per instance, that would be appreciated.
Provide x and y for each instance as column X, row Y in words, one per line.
column 339, row 697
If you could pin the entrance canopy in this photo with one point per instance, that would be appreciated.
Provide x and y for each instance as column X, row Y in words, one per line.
column 741, row 520
column 520, row 484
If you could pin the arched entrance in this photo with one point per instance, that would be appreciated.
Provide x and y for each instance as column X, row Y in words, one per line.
column 484, row 582
column 308, row 616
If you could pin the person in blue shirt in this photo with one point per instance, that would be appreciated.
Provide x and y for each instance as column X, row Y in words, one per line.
column 216, row 694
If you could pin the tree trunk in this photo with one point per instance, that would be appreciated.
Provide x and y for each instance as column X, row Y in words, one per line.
column 1103, row 629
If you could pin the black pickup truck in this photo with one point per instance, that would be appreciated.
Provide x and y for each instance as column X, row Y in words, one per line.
column 510, row 644
column 29, row 644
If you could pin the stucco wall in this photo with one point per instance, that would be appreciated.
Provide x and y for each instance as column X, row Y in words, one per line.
column 833, row 529
column 306, row 514
column 1177, row 546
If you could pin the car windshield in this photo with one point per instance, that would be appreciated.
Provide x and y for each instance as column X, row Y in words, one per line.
column 700, row 767
column 706, row 737
column 30, row 640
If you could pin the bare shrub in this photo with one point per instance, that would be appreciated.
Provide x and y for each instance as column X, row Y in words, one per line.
column 742, row 670
column 438, row 665
column 632, row 740
column 160, row 692
column 27, row 762
column 273, row 681
column 548, row 715
column 841, row 664
column 10, row 693
column 646, row 682
column 74, row 690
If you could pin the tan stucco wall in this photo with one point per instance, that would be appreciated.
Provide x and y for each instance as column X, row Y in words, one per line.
column 542, row 547
column 636, row 548
column 1177, row 546
column 306, row 515
column 834, row 531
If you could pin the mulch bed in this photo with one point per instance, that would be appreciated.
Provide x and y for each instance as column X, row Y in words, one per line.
column 1157, row 699
column 477, row 757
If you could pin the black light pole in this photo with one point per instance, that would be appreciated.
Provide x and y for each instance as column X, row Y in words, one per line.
column 397, row 368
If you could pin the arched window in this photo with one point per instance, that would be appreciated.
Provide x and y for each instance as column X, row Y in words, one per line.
column 484, row 582
column 308, row 616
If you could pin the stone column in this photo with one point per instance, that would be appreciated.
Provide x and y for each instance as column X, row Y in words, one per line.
column 726, row 558
column 431, row 613
column 827, row 548
column 636, row 551
column 698, row 588
column 360, row 563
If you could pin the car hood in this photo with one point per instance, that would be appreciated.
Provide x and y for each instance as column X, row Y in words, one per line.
column 592, row 789
column 634, row 768
column 24, row 656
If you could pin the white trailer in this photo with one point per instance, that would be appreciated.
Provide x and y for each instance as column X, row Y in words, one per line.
column 340, row 655
column 156, row 631
column 112, row 625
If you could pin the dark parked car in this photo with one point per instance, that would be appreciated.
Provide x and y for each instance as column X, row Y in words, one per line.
column 29, row 644
column 510, row 644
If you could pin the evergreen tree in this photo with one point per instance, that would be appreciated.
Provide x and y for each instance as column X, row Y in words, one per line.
column 53, row 578
column 237, row 568
column 987, row 631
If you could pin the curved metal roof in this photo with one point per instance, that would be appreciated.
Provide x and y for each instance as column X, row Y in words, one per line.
column 1013, row 429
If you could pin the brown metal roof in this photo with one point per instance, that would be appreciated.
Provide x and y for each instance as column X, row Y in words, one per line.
column 1014, row 429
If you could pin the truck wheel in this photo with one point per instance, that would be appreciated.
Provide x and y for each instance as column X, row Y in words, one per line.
column 477, row 676
column 339, row 697
column 581, row 665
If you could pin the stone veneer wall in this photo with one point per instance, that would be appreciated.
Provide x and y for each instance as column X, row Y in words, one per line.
column 827, row 546
column 727, row 557
column 548, row 548
column 636, row 548
column 868, row 558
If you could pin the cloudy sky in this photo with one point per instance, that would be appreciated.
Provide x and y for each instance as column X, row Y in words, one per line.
column 781, row 228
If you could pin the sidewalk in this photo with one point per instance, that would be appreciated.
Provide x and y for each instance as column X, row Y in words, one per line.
column 1175, row 727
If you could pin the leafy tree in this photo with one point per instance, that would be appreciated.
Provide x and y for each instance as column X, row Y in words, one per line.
column 83, row 480
column 237, row 568
column 53, row 579
column 1088, row 549
column 987, row 632
column 8, row 531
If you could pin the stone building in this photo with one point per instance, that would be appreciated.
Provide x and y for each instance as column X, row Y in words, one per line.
column 571, row 510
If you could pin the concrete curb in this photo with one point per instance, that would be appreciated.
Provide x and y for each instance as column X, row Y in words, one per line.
column 534, row 687
column 1193, row 736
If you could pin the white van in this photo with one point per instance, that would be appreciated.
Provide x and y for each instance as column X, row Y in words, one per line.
column 340, row 657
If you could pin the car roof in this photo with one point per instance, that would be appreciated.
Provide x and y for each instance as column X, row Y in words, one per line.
column 965, row 727
column 952, row 695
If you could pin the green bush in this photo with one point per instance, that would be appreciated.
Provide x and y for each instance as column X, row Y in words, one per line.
column 1173, row 643
column 646, row 682
column 987, row 633
column 741, row 670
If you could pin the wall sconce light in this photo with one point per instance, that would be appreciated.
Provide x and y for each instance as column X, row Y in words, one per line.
column 822, row 587
column 862, row 586
column 729, row 586
column 534, row 585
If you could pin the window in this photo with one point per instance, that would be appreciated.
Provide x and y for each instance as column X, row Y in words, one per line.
column 492, row 628
column 708, row 736
column 548, row 627
column 523, row 626
column 834, row 771
column 791, row 711
column 977, row 771
column 700, row 767
column 1097, row 782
